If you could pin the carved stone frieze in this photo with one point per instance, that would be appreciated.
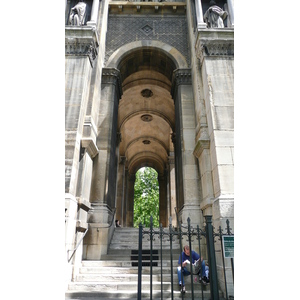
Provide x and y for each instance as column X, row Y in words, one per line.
column 220, row 44
column 81, row 42
column 215, row 48
column 79, row 48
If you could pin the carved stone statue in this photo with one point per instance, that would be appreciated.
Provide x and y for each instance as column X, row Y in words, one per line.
column 215, row 16
column 77, row 14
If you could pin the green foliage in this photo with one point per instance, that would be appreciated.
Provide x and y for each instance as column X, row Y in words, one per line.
column 146, row 197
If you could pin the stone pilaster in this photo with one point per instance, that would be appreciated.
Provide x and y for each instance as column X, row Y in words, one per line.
column 215, row 50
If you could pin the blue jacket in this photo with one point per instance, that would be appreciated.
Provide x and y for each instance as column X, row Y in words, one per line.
column 195, row 256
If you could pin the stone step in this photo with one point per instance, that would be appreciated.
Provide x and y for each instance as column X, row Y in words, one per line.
column 92, row 286
column 114, row 277
column 128, row 252
column 126, row 246
column 145, row 240
column 124, row 263
column 123, row 270
column 126, row 237
column 132, row 295
column 126, row 278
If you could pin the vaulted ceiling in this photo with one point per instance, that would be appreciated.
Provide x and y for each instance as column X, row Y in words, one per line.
column 146, row 116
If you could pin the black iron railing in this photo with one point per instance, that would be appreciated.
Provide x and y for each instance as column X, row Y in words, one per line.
column 190, row 232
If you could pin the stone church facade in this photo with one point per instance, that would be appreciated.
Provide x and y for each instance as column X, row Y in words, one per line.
column 147, row 84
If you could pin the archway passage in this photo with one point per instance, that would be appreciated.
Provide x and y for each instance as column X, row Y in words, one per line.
column 146, row 122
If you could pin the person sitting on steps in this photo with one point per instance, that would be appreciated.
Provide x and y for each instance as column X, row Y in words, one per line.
column 184, row 268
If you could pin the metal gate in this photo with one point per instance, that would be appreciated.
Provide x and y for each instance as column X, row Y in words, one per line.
column 190, row 232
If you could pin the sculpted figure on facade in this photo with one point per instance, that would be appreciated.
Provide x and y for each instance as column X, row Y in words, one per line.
column 77, row 14
column 215, row 16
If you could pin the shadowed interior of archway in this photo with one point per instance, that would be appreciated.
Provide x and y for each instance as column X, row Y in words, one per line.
column 146, row 114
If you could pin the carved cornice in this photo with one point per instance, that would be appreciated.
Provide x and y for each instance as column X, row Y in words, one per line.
column 133, row 6
column 112, row 76
column 180, row 77
column 215, row 43
column 81, row 41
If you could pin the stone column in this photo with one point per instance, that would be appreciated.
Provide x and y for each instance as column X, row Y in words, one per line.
column 172, row 188
column 163, row 211
column 188, row 189
column 230, row 4
column 94, row 14
column 121, row 190
column 104, row 174
column 130, row 200
column 103, row 189
column 199, row 13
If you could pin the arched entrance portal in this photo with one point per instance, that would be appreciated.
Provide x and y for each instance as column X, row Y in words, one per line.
column 146, row 123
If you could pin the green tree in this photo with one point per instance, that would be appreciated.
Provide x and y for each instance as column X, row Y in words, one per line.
column 146, row 197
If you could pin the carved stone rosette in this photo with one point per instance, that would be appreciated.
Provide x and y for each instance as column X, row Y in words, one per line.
column 81, row 42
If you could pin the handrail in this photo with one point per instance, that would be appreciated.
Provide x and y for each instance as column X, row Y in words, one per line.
column 74, row 250
column 111, row 222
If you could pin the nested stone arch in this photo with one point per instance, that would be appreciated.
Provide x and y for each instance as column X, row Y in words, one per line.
column 146, row 115
column 165, row 117
column 153, row 161
column 171, row 52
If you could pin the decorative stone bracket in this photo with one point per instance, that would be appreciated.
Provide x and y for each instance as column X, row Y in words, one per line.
column 201, row 144
column 89, row 137
column 90, row 146
column 81, row 41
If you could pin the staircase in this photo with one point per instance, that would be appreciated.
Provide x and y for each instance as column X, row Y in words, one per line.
column 115, row 276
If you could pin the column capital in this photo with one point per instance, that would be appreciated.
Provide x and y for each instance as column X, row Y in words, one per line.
column 180, row 77
column 112, row 76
